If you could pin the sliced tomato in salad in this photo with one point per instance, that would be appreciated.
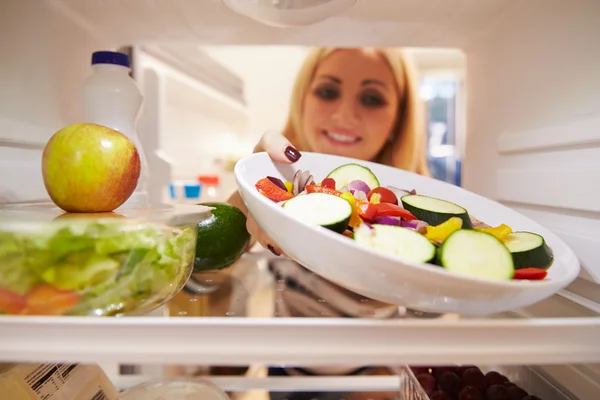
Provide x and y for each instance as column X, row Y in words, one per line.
column 382, row 195
column 11, row 302
column 48, row 300
column 328, row 183
column 392, row 210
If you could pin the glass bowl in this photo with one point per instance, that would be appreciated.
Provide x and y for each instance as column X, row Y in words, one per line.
column 124, row 263
column 175, row 390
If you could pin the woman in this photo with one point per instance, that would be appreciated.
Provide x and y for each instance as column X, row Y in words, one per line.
column 359, row 103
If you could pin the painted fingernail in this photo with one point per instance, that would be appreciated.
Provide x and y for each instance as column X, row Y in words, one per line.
column 292, row 154
column 272, row 249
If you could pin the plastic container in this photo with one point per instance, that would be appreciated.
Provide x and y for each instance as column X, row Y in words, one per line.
column 110, row 97
column 175, row 390
column 55, row 263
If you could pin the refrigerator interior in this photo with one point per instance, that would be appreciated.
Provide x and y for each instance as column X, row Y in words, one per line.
column 532, row 98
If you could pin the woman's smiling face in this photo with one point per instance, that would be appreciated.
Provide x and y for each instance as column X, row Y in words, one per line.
column 351, row 105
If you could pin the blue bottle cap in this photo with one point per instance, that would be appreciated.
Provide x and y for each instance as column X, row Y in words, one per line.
column 110, row 57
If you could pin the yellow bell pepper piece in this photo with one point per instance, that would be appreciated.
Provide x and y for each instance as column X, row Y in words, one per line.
column 440, row 232
column 375, row 198
column 289, row 186
column 500, row 231
column 355, row 219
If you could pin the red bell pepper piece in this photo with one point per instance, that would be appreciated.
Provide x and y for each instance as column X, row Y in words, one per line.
column 328, row 183
column 272, row 191
column 531, row 274
column 366, row 210
column 393, row 211
column 321, row 189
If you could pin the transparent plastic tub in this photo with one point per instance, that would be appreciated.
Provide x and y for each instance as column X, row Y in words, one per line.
column 128, row 262
column 189, row 389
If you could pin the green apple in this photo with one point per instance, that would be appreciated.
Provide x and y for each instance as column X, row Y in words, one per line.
column 90, row 168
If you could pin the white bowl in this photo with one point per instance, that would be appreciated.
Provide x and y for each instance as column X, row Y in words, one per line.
column 382, row 277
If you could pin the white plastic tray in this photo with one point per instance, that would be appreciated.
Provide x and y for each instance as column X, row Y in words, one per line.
column 244, row 341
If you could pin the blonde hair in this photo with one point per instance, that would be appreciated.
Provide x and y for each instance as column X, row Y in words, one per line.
column 407, row 147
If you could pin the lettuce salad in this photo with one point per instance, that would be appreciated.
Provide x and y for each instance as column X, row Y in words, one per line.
column 100, row 267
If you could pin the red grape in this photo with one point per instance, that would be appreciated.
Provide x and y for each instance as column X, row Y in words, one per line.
column 440, row 395
column 495, row 378
column 470, row 393
column 496, row 392
column 516, row 393
column 508, row 384
column 427, row 381
column 531, row 397
column 473, row 377
column 449, row 382
column 461, row 370
column 419, row 370
column 438, row 371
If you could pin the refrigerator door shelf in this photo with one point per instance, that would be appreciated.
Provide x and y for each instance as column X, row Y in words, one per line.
column 237, row 325
column 300, row 341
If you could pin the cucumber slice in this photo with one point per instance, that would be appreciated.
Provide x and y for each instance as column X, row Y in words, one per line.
column 434, row 211
column 477, row 254
column 327, row 210
column 529, row 250
column 395, row 240
column 347, row 173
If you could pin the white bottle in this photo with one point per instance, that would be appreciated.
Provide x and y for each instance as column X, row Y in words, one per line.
column 112, row 98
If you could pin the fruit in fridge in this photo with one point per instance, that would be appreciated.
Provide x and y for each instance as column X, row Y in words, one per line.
column 222, row 238
column 90, row 168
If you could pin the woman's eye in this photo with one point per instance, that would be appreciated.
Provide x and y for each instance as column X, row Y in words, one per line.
column 372, row 100
column 327, row 93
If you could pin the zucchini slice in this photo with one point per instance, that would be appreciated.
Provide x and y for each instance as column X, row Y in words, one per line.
column 434, row 211
column 477, row 254
column 327, row 210
column 347, row 173
column 401, row 242
column 529, row 250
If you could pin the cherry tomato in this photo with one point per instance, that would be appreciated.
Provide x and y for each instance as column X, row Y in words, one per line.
column 328, row 183
column 385, row 195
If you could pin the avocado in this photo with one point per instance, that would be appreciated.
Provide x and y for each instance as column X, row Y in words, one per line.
column 222, row 238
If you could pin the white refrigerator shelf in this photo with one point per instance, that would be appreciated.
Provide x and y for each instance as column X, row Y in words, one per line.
column 302, row 341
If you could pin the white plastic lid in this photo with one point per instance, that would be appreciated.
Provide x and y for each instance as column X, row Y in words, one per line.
column 193, row 389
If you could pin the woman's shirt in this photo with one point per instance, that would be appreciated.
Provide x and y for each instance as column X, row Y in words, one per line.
column 302, row 293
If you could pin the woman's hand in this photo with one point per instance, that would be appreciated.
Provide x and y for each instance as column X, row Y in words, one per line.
column 280, row 150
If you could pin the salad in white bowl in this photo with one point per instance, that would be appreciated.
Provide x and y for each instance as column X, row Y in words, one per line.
column 403, row 238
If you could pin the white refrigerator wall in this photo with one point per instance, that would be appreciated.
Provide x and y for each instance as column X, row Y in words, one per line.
column 45, row 57
column 533, row 119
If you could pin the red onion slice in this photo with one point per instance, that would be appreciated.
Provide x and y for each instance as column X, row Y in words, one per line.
column 388, row 220
column 278, row 182
column 477, row 223
column 359, row 195
column 296, row 183
column 419, row 226
column 358, row 186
